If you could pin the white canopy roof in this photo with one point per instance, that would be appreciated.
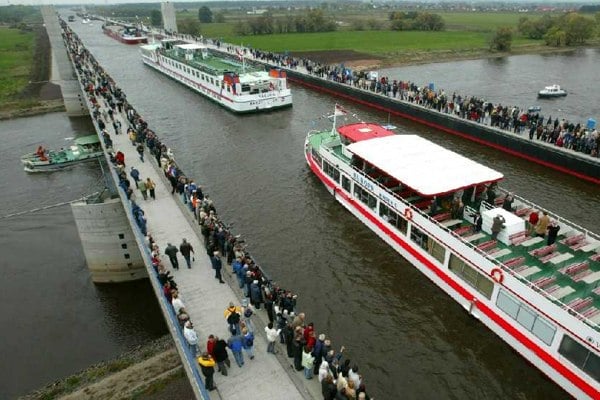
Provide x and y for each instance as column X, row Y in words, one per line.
column 422, row 165
column 190, row 46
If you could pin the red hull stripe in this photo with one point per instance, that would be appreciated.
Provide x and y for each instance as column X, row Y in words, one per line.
column 454, row 132
column 510, row 329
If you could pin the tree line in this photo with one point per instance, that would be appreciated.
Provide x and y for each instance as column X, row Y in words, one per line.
column 565, row 30
column 17, row 14
column 313, row 21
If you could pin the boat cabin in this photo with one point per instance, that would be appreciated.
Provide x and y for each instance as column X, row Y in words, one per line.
column 191, row 51
column 358, row 132
column 417, row 170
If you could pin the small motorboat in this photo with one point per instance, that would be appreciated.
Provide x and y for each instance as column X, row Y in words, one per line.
column 86, row 148
column 552, row 91
column 534, row 109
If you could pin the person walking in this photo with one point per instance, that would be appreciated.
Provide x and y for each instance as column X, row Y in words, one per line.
column 247, row 314
column 150, row 185
column 141, row 185
column 207, row 366
column 140, row 150
column 132, row 136
column 221, row 356
column 248, row 342
column 232, row 315
column 187, row 250
column 272, row 335
column 235, row 344
column 217, row 266
column 171, row 251
column 135, row 175
column 191, row 337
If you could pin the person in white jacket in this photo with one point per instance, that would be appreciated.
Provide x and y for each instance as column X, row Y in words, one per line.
column 272, row 336
column 191, row 337
column 177, row 303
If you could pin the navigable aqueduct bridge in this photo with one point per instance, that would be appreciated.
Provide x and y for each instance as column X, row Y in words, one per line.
column 115, row 251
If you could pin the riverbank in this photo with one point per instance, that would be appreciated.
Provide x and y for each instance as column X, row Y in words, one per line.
column 25, row 67
column 144, row 371
column 31, row 108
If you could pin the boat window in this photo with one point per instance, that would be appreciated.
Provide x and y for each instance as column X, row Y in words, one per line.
column 332, row 171
column 392, row 217
column 580, row 356
column 526, row 317
column 436, row 249
column 346, row 184
column 419, row 237
column 317, row 157
column 245, row 87
column 365, row 197
column 481, row 283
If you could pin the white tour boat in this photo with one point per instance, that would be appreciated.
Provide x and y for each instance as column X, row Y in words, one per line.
column 226, row 80
column 552, row 91
column 422, row 199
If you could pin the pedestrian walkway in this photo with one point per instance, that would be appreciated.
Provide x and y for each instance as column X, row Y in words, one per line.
column 204, row 298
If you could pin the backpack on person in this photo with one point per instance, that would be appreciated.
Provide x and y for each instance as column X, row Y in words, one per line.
column 249, row 340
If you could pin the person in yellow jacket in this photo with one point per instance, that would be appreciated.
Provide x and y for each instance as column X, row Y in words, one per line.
column 207, row 366
column 132, row 136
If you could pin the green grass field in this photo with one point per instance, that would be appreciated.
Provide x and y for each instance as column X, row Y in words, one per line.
column 373, row 42
column 16, row 57
column 465, row 31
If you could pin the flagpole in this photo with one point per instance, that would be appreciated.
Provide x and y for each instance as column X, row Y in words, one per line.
column 334, row 118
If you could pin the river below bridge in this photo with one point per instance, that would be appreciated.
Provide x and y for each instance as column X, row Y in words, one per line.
column 409, row 338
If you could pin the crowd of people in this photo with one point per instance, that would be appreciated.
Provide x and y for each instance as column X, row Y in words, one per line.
column 557, row 131
column 313, row 353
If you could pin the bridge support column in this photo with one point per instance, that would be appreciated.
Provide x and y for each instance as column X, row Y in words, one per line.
column 110, row 248
column 167, row 10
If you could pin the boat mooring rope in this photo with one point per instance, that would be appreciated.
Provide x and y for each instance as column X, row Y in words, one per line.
column 64, row 203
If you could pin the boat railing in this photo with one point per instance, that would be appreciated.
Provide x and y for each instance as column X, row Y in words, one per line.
column 492, row 260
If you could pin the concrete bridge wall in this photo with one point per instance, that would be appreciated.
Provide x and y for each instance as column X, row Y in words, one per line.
column 71, row 91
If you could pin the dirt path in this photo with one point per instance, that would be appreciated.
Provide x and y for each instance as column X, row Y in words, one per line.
column 124, row 383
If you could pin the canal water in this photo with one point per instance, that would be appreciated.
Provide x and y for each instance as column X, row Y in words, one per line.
column 55, row 320
column 409, row 339
column 517, row 80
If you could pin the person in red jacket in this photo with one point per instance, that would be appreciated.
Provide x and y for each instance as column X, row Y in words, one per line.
column 534, row 217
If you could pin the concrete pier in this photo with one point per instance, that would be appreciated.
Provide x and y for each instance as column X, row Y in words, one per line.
column 108, row 242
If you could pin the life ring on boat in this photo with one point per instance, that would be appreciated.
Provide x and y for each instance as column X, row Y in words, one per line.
column 408, row 213
column 497, row 275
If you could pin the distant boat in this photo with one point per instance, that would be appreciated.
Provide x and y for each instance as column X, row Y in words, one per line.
column 86, row 148
column 533, row 109
column 552, row 91
column 125, row 34
column 223, row 78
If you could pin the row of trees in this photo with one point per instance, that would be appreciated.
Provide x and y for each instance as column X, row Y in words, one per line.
column 416, row 21
column 313, row 21
column 15, row 14
column 564, row 30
